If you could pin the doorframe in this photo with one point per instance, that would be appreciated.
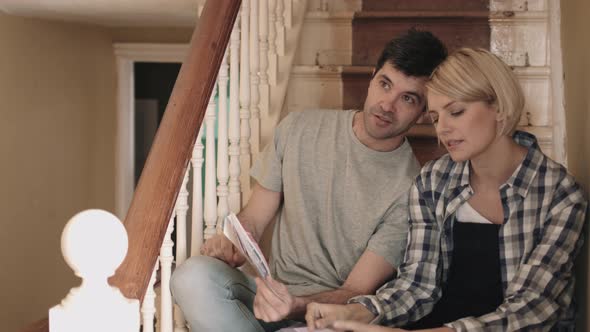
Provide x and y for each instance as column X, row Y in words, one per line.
column 126, row 54
column 557, row 100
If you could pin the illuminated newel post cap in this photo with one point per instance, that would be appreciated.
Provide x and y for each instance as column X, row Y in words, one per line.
column 94, row 244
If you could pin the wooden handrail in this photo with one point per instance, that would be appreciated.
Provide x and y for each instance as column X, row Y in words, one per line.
column 38, row 326
column 155, row 195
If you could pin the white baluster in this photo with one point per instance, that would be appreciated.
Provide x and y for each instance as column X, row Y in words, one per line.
column 197, row 195
column 263, row 68
column 289, row 13
column 94, row 243
column 222, row 145
column 254, row 80
column 272, row 43
column 181, row 220
column 181, row 212
column 148, row 306
column 234, row 119
column 245, row 155
column 166, row 258
column 210, row 208
column 324, row 5
column 280, row 12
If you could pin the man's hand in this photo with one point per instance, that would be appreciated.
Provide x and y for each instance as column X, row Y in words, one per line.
column 352, row 326
column 320, row 316
column 220, row 247
column 273, row 302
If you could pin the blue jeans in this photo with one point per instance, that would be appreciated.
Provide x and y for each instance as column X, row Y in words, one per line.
column 216, row 297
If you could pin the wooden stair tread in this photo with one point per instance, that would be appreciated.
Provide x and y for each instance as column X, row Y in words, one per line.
column 426, row 5
column 421, row 14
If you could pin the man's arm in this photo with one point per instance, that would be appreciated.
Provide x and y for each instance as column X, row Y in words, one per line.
column 370, row 272
column 255, row 217
column 260, row 210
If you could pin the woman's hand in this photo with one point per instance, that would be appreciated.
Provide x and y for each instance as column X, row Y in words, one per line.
column 352, row 326
column 321, row 316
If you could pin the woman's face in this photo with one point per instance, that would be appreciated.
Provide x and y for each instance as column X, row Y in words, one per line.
column 467, row 129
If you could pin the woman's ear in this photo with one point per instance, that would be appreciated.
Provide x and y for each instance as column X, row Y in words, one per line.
column 500, row 116
column 500, row 120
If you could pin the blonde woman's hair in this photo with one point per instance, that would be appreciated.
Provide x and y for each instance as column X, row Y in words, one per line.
column 471, row 75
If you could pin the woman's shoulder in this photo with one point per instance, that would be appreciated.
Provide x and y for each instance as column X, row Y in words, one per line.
column 437, row 164
column 539, row 169
column 442, row 166
column 554, row 177
column 439, row 171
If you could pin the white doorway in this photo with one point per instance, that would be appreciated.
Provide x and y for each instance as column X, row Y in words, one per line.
column 128, row 55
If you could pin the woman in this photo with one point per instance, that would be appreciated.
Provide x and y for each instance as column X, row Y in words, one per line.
column 494, row 224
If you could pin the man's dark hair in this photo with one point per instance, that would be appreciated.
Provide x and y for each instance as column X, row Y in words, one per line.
column 415, row 53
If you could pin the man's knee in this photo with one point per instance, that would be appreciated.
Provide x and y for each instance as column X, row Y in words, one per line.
column 198, row 273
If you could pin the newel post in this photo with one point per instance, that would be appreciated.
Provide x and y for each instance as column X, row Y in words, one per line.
column 94, row 243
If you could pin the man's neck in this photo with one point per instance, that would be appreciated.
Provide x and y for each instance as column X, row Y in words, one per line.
column 381, row 145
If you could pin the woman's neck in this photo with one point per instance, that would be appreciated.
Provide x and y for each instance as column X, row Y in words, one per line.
column 495, row 166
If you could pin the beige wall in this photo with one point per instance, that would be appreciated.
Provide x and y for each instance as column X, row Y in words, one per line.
column 57, row 141
column 576, row 56
column 57, row 125
column 151, row 35
column 576, row 61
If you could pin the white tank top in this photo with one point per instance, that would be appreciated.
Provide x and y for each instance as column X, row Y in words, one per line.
column 466, row 213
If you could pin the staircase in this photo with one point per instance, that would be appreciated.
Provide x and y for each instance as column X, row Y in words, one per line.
column 339, row 47
column 341, row 41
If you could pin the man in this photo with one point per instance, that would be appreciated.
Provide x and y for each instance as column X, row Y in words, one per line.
column 338, row 181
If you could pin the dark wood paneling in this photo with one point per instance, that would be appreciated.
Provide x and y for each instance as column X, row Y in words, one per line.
column 433, row 5
column 355, row 90
column 371, row 31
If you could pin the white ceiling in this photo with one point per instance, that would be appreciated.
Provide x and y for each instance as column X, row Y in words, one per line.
column 113, row 13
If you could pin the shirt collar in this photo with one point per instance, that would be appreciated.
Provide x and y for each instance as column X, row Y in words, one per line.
column 522, row 178
column 459, row 175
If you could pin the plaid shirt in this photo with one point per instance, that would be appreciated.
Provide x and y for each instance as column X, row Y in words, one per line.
column 544, row 211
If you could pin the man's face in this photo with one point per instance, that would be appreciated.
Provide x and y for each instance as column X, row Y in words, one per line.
column 394, row 103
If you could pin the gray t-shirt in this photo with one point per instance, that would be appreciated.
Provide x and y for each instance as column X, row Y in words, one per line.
column 340, row 198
